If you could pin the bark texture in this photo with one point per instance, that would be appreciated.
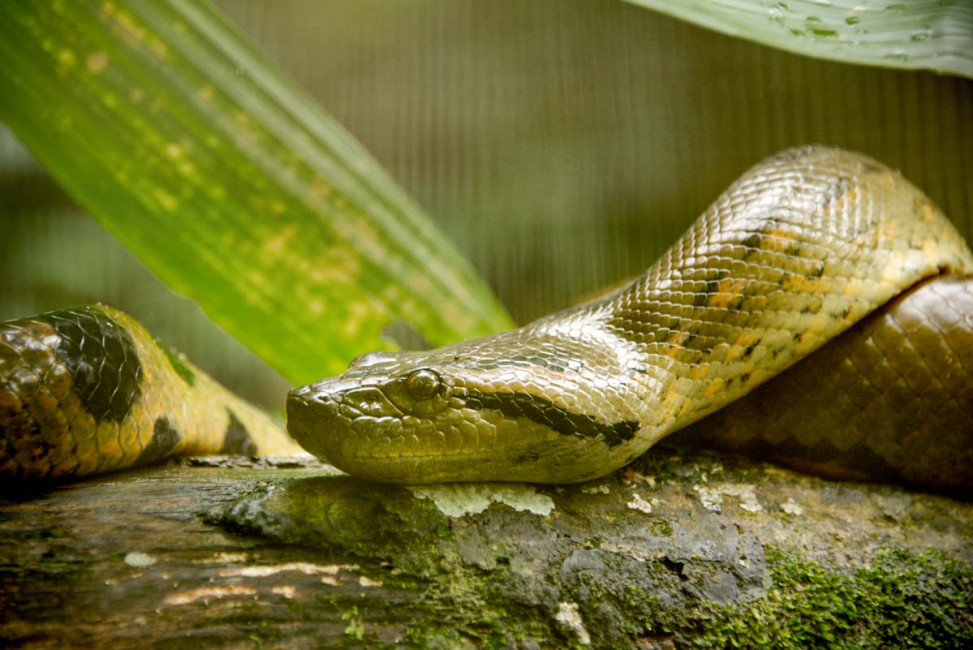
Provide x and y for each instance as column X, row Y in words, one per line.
column 685, row 549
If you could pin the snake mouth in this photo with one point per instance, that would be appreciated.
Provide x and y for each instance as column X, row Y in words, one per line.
column 316, row 420
column 308, row 420
column 316, row 424
column 361, row 438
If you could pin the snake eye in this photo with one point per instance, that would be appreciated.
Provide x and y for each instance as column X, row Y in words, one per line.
column 422, row 383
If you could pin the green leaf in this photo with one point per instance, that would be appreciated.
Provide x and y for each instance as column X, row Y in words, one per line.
column 912, row 34
column 165, row 124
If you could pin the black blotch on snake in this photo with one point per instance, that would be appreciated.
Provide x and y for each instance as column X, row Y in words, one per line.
column 164, row 438
column 702, row 298
column 237, row 439
column 542, row 411
column 101, row 356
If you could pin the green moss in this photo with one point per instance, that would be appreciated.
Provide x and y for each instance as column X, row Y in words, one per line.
column 184, row 371
column 355, row 627
column 474, row 627
column 661, row 528
column 901, row 600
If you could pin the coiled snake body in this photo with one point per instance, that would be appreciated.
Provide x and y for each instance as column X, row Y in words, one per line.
column 795, row 252
column 800, row 249
column 89, row 390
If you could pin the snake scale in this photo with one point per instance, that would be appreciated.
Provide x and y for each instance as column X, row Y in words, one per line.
column 812, row 248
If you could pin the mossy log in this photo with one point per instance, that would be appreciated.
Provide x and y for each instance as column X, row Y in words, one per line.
column 685, row 549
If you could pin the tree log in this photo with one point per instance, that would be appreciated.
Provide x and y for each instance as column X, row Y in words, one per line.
column 684, row 549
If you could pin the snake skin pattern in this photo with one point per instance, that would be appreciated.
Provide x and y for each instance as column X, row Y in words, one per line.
column 797, row 251
column 889, row 400
column 89, row 390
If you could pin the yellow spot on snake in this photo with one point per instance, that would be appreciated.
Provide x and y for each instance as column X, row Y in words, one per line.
column 734, row 352
column 713, row 387
column 853, row 287
column 886, row 231
column 893, row 272
column 687, row 405
column 801, row 284
column 776, row 240
column 700, row 371
column 675, row 342
column 746, row 338
column 728, row 290
column 927, row 212
column 820, row 323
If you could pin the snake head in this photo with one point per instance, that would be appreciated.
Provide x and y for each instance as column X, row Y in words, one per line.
column 451, row 415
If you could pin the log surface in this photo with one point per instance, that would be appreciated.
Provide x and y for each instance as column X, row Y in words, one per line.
column 683, row 549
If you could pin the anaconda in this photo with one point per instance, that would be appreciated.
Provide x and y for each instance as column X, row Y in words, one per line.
column 798, row 250
column 89, row 390
column 789, row 259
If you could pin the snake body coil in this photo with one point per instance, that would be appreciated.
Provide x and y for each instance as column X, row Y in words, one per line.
column 797, row 251
column 89, row 390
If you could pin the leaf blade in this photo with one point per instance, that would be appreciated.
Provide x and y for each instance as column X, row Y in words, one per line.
column 248, row 198
column 921, row 34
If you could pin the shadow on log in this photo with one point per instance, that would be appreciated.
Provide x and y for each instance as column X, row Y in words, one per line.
column 685, row 549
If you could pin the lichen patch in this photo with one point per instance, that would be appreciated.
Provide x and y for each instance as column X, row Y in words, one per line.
column 302, row 567
column 712, row 496
column 464, row 499
column 567, row 615
column 640, row 504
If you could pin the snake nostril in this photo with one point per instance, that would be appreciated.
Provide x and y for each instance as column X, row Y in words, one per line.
column 301, row 392
column 300, row 415
column 311, row 421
